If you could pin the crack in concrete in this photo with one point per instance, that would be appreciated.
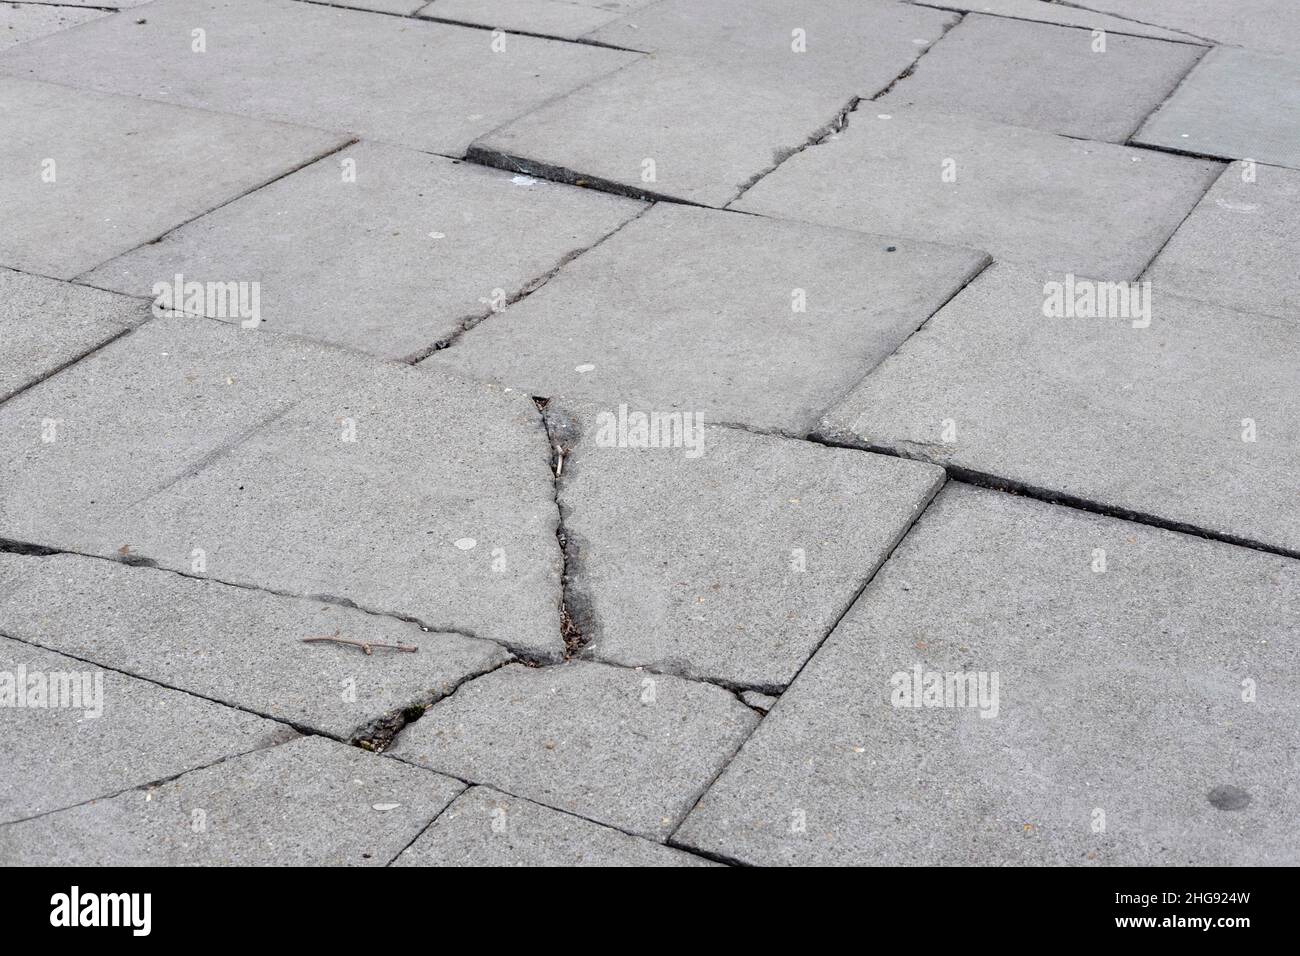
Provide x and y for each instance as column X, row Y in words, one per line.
column 577, row 618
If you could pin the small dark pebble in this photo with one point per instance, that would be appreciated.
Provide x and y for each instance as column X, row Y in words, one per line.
column 1227, row 797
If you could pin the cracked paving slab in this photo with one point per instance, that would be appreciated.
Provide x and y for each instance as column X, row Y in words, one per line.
column 1050, row 12
column 71, row 732
column 312, row 802
column 1190, row 420
column 1119, row 700
column 1045, row 77
column 1235, row 104
column 742, row 319
column 27, row 21
column 571, row 19
column 234, row 645
column 625, row 748
column 410, row 82
column 391, row 262
column 279, row 463
column 1268, row 25
column 724, row 98
column 88, row 176
column 1023, row 195
column 768, row 543
column 485, row 827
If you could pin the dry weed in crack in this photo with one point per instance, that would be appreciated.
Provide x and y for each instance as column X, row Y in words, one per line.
column 561, row 434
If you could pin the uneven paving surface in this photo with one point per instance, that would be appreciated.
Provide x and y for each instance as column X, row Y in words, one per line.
column 649, row 432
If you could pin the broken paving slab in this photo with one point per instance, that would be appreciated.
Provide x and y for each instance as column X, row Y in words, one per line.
column 46, row 324
column 1020, row 194
column 743, row 319
column 22, row 22
column 238, row 646
column 626, row 748
column 1186, row 415
column 399, row 80
column 1240, row 245
column 1235, row 104
column 570, row 19
column 88, row 176
column 1046, row 11
column 484, row 827
column 1118, row 701
column 726, row 558
column 312, row 802
column 295, row 467
column 1046, row 77
column 1268, row 25
column 72, row 732
column 377, row 248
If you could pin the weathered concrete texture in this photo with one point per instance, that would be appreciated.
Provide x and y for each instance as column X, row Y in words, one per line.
column 89, row 176
column 724, row 99
column 45, row 324
column 1121, row 705
column 627, row 748
column 27, row 21
column 311, row 802
column 1240, row 246
column 485, row 827
column 390, row 263
column 1044, row 76
column 1235, row 104
column 405, row 81
column 235, row 645
column 1075, row 406
column 1045, row 11
column 1013, row 189
column 742, row 319
column 728, row 561
column 572, row 19
column 191, row 434
column 71, row 732
column 1268, row 25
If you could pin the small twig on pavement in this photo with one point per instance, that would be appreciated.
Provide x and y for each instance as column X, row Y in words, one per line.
column 364, row 645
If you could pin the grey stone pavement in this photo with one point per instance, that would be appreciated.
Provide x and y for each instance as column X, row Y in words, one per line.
column 650, row 432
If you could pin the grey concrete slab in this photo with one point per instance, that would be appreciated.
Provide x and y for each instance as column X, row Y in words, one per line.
column 88, row 176
column 1240, row 245
column 1192, row 419
column 411, row 82
column 238, row 646
column 572, row 19
column 312, row 802
column 739, row 318
column 1045, row 11
column 1000, row 188
column 626, row 748
column 1048, row 77
column 729, row 561
column 72, row 732
column 1267, row 25
column 20, row 22
column 403, row 257
column 1235, row 104
column 1123, row 700
column 296, row 467
column 401, row 8
column 485, row 827
column 46, row 324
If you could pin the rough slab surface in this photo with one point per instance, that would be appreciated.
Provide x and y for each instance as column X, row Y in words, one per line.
column 626, row 748
column 1122, row 705
column 1268, row 25
column 572, row 19
column 485, row 827
column 1076, row 406
column 312, row 802
column 22, row 22
column 71, row 732
column 742, row 319
column 1048, row 11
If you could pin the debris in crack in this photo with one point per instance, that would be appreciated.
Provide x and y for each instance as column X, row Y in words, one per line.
column 379, row 733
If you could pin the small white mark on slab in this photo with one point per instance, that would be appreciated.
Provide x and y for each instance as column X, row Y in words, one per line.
column 466, row 543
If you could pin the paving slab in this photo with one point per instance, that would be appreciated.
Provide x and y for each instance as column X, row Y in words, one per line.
column 1190, row 420
column 27, row 21
column 741, row 319
column 410, row 82
column 1123, row 700
column 1240, row 245
column 405, row 256
column 1045, row 76
column 1267, row 25
column 1235, row 104
column 312, row 802
column 626, row 748
column 999, row 188
column 729, row 560
column 89, row 176
column 1044, row 11
column 235, row 645
column 296, row 467
column 71, row 731
column 46, row 324
column 724, row 98
column 401, row 8
column 485, row 827
column 571, row 19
